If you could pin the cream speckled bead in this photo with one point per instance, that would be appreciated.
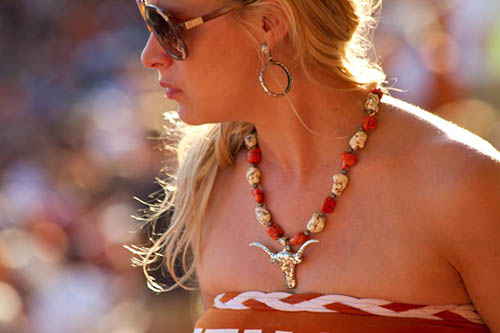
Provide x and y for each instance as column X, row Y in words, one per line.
column 263, row 215
column 372, row 102
column 250, row 141
column 339, row 183
column 253, row 175
column 374, row 97
column 358, row 140
column 316, row 223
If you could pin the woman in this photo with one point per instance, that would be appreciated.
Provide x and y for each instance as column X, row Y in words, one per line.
column 384, row 214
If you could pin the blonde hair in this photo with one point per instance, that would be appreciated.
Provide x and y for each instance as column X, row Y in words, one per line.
column 331, row 36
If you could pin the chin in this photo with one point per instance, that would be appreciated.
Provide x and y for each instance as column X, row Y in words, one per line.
column 185, row 116
column 195, row 115
column 192, row 118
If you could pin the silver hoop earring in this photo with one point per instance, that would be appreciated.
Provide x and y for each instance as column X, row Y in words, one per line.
column 265, row 51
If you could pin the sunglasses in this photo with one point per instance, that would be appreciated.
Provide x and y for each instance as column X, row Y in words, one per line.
column 168, row 31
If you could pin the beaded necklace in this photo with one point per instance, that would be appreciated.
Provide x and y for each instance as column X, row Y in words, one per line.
column 287, row 259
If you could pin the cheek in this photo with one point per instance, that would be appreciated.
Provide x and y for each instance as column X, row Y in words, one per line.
column 225, row 65
column 219, row 76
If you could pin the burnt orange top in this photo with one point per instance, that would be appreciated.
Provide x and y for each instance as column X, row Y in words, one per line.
column 279, row 312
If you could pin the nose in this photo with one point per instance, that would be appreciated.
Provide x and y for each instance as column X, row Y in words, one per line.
column 153, row 55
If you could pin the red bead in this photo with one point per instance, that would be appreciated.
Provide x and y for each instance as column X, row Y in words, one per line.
column 348, row 160
column 254, row 156
column 274, row 231
column 328, row 205
column 377, row 91
column 298, row 238
column 369, row 122
column 258, row 195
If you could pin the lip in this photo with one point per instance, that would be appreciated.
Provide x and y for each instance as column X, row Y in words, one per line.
column 167, row 85
column 171, row 89
column 170, row 93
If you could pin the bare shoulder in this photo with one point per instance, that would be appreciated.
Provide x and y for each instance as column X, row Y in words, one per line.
column 439, row 143
column 449, row 155
column 436, row 132
column 454, row 165
column 461, row 174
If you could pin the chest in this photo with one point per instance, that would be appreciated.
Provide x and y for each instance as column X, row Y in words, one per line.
column 377, row 242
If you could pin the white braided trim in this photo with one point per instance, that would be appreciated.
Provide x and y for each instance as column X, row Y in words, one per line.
column 370, row 305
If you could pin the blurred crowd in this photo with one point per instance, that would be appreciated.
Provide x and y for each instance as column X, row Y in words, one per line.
column 446, row 56
column 79, row 122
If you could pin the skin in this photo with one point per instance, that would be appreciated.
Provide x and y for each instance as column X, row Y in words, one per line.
column 417, row 223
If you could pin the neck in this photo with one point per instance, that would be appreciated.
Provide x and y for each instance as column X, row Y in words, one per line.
column 289, row 149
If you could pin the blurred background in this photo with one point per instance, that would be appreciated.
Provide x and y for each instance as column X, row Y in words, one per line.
column 78, row 120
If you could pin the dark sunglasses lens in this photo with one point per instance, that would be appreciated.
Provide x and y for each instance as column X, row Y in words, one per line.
column 165, row 34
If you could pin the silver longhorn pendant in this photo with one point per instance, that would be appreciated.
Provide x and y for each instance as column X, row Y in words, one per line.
column 286, row 259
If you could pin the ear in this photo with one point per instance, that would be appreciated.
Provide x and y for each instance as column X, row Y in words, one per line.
column 273, row 28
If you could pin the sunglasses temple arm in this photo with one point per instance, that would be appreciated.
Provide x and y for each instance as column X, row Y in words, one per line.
column 210, row 16
column 202, row 19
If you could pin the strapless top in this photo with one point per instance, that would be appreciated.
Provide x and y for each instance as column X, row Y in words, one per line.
column 281, row 312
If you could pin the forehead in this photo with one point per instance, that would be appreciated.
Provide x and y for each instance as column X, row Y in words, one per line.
column 184, row 6
column 170, row 5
